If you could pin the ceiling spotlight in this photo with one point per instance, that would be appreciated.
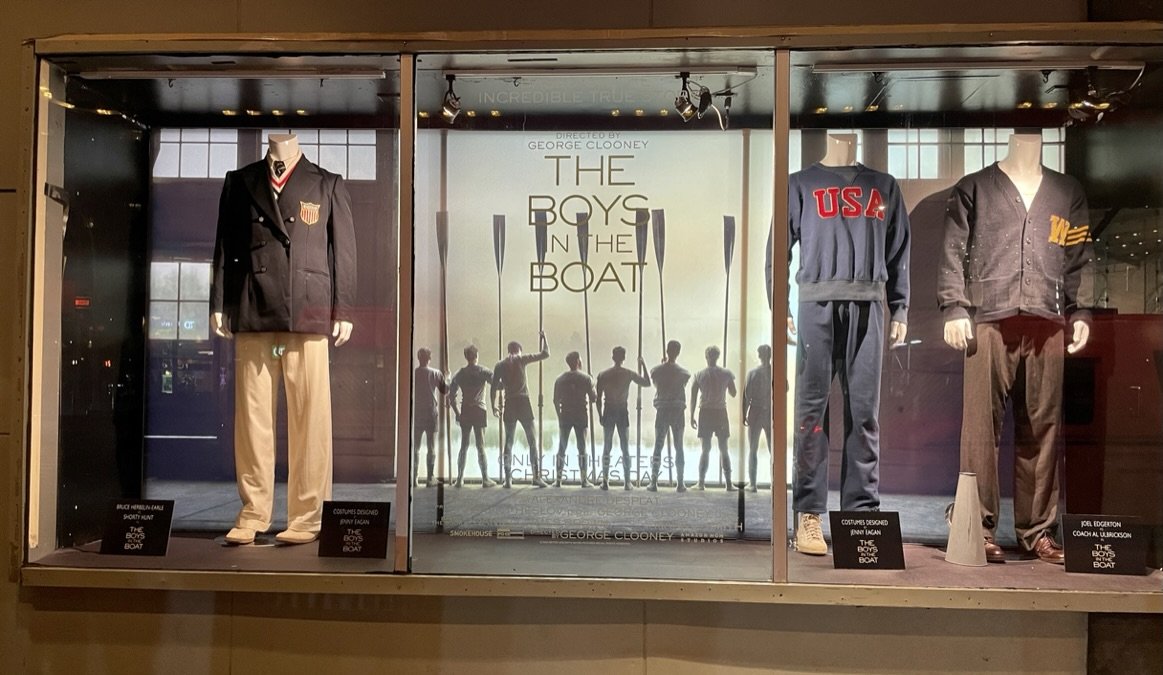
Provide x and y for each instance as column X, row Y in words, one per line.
column 229, row 113
column 821, row 110
column 471, row 113
column 494, row 113
column 682, row 103
column 423, row 114
column 301, row 112
column 871, row 107
column 615, row 112
column 451, row 107
column 1025, row 105
column 704, row 101
column 277, row 113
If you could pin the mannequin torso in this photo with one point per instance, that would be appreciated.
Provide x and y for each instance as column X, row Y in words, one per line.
column 1023, row 165
column 841, row 150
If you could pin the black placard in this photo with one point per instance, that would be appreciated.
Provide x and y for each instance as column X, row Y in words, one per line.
column 867, row 540
column 354, row 530
column 1096, row 544
column 138, row 527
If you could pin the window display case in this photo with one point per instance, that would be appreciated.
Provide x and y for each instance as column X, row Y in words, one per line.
column 590, row 231
column 553, row 283
column 186, row 308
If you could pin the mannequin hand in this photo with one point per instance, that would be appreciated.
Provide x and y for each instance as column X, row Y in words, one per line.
column 218, row 325
column 1081, row 336
column 744, row 418
column 896, row 334
column 791, row 331
column 341, row 331
column 694, row 424
column 495, row 413
column 958, row 332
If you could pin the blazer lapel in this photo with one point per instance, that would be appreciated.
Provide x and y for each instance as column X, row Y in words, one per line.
column 258, row 184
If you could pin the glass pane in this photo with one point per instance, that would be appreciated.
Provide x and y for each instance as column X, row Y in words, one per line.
column 195, row 135
column 897, row 136
column 195, row 160
column 194, row 321
column 1075, row 272
column 334, row 158
column 333, row 136
column 897, row 160
column 224, row 135
column 311, row 152
column 974, row 158
column 361, row 162
column 361, row 136
column 163, row 320
column 169, row 135
column 195, row 281
column 166, row 164
column 163, row 281
column 638, row 478
column 929, row 161
column 307, row 136
column 223, row 158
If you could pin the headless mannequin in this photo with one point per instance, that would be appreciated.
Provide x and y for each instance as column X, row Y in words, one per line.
column 1023, row 166
column 841, row 151
column 282, row 148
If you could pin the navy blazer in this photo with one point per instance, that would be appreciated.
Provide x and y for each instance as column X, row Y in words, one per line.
column 284, row 264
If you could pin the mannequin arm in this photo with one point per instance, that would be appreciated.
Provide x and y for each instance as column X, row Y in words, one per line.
column 791, row 331
column 341, row 331
column 1081, row 337
column 218, row 325
column 958, row 332
column 896, row 334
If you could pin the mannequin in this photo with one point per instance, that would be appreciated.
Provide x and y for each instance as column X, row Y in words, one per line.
column 1023, row 166
column 283, row 148
column 853, row 230
column 1016, row 246
column 283, row 279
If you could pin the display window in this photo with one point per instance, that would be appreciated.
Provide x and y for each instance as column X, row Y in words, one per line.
column 720, row 312
column 591, row 328
column 218, row 309
column 974, row 327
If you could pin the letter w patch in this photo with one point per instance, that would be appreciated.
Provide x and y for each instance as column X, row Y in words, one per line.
column 1058, row 229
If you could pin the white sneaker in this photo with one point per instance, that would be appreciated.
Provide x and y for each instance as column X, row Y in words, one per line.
column 809, row 536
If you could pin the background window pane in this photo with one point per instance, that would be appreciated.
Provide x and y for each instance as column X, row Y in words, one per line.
column 194, row 321
column 334, row 158
column 311, row 152
column 896, row 136
column 361, row 162
column 195, row 135
column 897, row 163
column 309, row 136
column 166, row 164
column 163, row 281
column 195, row 281
column 930, row 161
column 163, row 320
column 224, row 135
column 195, row 160
column 973, row 158
column 973, row 135
column 361, row 136
column 170, row 135
column 223, row 158
column 333, row 136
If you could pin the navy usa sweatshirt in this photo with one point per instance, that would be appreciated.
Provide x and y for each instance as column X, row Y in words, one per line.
column 853, row 230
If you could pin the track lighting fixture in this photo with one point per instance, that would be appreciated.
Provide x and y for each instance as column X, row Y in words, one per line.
column 682, row 103
column 451, row 107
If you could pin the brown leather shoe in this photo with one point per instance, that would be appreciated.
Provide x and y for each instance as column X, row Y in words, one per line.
column 993, row 552
column 1048, row 551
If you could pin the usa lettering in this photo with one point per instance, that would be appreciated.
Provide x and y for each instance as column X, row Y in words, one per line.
column 849, row 202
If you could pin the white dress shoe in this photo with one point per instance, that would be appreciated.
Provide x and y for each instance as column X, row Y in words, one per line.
column 296, row 537
column 240, row 535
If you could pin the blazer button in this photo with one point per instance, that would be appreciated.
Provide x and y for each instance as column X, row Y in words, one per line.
column 292, row 219
column 262, row 269
column 260, row 219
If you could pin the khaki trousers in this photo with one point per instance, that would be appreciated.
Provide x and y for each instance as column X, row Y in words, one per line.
column 300, row 361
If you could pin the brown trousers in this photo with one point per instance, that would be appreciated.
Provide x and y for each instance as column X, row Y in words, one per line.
column 300, row 362
column 1018, row 358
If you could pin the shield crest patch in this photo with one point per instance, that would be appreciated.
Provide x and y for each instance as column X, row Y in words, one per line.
column 308, row 212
